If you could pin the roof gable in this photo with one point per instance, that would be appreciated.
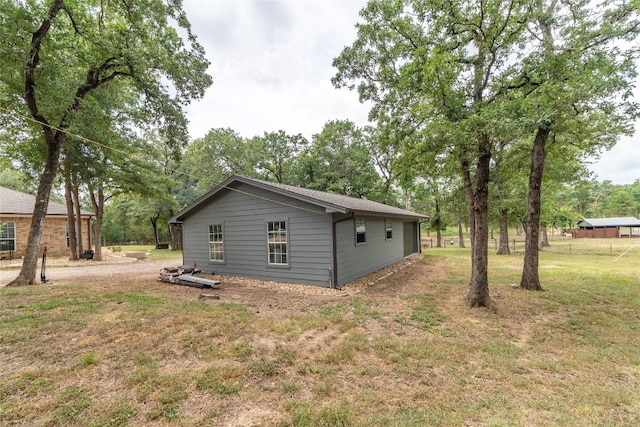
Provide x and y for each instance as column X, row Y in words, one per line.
column 628, row 221
column 14, row 202
column 331, row 203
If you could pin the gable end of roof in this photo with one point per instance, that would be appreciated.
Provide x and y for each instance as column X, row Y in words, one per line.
column 330, row 203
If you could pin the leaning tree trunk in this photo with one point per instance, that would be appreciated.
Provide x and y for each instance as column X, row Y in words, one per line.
column 154, row 224
column 503, row 248
column 27, row 273
column 54, row 141
column 54, row 137
column 478, row 295
column 530, row 279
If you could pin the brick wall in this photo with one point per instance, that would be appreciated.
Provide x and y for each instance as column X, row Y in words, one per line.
column 54, row 236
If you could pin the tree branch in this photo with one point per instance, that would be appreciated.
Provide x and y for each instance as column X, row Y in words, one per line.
column 32, row 65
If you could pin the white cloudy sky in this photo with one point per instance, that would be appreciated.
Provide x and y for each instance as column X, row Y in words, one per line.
column 271, row 68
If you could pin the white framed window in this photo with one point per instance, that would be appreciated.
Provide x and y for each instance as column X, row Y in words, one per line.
column 361, row 231
column 7, row 236
column 388, row 230
column 216, row 243
column 277, row 242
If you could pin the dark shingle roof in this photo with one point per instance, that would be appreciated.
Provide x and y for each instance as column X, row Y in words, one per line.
column 330, row 202
column 14, row 202
column 628, row 221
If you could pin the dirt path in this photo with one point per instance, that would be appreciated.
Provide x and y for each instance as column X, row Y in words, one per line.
column 61, row 270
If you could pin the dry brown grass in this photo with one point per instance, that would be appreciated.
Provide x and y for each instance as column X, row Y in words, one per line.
column 401, row 351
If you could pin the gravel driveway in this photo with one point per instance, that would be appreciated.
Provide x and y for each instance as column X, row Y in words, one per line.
column 61, row 270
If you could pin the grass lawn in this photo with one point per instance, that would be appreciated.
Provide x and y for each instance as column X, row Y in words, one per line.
column 405, row 351
column 154, row 254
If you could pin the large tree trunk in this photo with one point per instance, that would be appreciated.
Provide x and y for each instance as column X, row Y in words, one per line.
column 175, row 231
column 478, row 295
column 54, row 141
column 54, row 137
column 76, row 202
column 503, row 248
column 27, row 273
column 154, row 224
column 97, row 201
column 530, row 279
column 175, row 235
column 71, row 220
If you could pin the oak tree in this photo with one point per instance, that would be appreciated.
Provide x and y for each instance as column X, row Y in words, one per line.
column 57, row 55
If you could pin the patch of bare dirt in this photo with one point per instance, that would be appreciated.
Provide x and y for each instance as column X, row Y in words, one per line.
column 62, row 270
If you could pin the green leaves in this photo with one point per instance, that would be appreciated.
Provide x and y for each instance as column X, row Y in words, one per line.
column 340, row 160
column 122, row 47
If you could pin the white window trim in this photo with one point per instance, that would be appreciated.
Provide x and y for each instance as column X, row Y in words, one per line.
column 388, row 227
column 68, row 237
column 287, row 248
column 356, row 232
column 211, row 233
column 14, row 238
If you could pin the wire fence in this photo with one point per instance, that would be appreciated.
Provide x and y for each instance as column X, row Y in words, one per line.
column 603, row 247
column 621, row 247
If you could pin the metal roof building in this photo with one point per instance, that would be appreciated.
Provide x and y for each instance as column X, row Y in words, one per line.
column 609, row 227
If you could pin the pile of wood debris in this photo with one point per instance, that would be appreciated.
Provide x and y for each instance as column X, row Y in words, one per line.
column 187, row 276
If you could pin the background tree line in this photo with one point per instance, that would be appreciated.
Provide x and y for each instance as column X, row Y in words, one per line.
column 352, row 166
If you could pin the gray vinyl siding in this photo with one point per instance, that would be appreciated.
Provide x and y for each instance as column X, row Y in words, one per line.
column 244, row 219
column 411, row 239
column 357, row 260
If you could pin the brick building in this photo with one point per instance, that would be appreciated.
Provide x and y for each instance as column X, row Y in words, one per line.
column 16, row 209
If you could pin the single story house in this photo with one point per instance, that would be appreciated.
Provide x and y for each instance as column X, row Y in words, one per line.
column 609, row 227
column 275, row 232
column 16, row 210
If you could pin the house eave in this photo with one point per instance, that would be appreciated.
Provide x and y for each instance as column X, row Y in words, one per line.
column 29, row 215
column 417, row 217
column 325, row 207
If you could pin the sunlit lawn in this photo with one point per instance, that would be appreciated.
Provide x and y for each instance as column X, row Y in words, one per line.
column 139, row 354
column 154, row 254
